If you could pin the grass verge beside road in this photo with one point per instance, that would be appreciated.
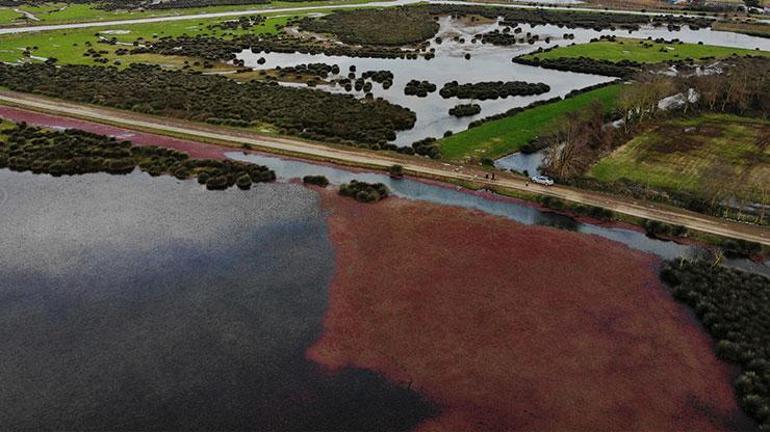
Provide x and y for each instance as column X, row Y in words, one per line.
column 498, row 138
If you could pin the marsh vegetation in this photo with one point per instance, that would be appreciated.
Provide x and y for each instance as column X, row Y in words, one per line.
column 74, row 152
column 733, row 306
column 149, row 89
column 364, row 192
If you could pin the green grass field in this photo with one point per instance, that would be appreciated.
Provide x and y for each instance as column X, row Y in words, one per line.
column 8, row 15
column 507, row 135
column 60, row 13
column 714, row 151
column 640, row 51
column 69, row 45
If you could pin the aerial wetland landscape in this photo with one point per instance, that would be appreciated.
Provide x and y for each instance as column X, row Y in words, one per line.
column 353, row 215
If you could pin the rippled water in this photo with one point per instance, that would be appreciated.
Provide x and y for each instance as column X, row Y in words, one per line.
column 138, row 303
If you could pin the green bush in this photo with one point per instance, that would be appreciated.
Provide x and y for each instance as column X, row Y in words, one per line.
column 734, row 306
column 317, row 180
column 243, row 182
column 364, row 192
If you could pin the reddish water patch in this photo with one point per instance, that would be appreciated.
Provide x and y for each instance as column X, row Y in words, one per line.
column 513, row 327
column 194, row 149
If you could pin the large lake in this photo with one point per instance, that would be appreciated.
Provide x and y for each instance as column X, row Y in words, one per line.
column 131, row 302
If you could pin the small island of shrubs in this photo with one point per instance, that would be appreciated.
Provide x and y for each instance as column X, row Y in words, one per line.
column 317, row 180
column 364, row 192
column 492, row 89
column 621, row 69
column 419, row 88
column 465, row 110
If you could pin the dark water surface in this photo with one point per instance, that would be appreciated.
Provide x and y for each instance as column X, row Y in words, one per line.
column 130, row 302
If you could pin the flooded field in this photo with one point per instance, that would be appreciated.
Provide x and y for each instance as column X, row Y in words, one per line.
column 487, row 63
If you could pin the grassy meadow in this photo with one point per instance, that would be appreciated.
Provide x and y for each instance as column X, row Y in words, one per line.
column 507, row 135
column 642, row 51
column 68, row 46
column 703, row 155
column 61, row 13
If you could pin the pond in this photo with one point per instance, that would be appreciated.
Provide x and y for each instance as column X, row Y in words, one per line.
column 520, row 162
column 487, row 63
column 139, row 303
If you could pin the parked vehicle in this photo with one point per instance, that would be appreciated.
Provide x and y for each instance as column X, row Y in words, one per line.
column 543, row 180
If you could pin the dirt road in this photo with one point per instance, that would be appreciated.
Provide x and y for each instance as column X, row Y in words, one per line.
column 380, row 160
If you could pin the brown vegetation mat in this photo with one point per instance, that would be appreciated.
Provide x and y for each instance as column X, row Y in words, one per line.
column 512, row 327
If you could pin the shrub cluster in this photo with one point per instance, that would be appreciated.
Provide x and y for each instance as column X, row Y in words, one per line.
column 214, row 48
column 419, row 88
column 740, row 248
column 148, row 89
column 622, row 69
column 464, row 110
column 496, row 37
column 504, row 38
column 243, row 22
column 73, row 152
column 364, row 192
column 427, row 147
column 657, row 229
column 492, row 89
column 580, row 209
column 380, row 76
column 512, row 17
column 390, row 27
column 734, row 306
column 317, row 180
column 320, row 70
